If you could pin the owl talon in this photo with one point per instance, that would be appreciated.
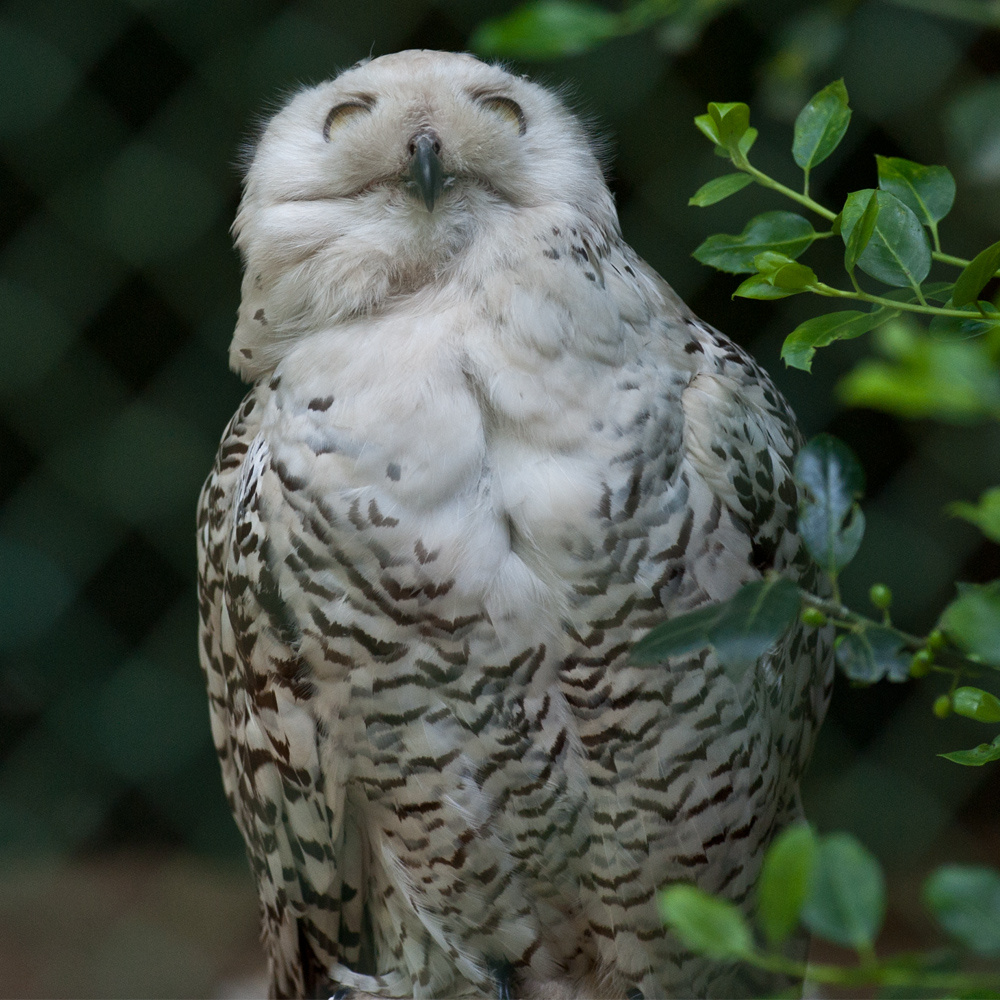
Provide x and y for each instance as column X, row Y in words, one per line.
column 634, row 994
column 344, row 993
column 502, row 974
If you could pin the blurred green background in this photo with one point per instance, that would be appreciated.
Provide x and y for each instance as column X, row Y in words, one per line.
column 121, row 873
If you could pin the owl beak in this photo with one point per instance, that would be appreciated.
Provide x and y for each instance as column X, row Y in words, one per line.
column 426, row 169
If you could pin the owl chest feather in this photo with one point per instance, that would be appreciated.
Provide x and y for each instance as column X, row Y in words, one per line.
column 459, row 458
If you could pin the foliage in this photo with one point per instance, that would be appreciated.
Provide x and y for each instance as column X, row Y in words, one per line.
column 831, row 884
column 833, row 887
column 544, row 29
column 966, row 641
column 885, row 234
column 890, row 233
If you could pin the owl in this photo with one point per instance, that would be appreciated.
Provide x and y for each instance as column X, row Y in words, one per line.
column 485, row 450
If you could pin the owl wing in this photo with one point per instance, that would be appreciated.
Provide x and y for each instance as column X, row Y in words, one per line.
column 742, row 438
column 266, row 734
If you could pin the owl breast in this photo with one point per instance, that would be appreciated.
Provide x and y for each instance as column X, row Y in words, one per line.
column 458, row 463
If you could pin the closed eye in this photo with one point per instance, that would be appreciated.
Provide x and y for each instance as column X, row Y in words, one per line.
column 506, row 108
column 340, row 114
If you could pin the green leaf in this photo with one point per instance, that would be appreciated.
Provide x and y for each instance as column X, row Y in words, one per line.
column 747, row 140
column 846, row 899
column 972, row 621
column 830, row 520
column 965, row 899
column 967, row 327
column 706, row 924
column 928, row 192
column 975, row 703
column 936, row 291
column 974, row 277
column 888, row 646
column 546, row 29
column 854, row 656
column 793, row 277
column 732, row 119
column 783, row 272
column 707, row 126
column 821, row 125
column 680, row 634
column 783, row 232
column 784, row 882
column 898, row 252
column 861, row 233
column 801, row 344
column 973, row 126
column 985, row 515
column 741, row 629
column 718, row 188
column 873, row 654
column 758, row 286
column 756, row 616
column 985, row 753
column 926, row 376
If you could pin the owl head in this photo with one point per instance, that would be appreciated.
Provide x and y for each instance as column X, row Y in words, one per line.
column 401, row 174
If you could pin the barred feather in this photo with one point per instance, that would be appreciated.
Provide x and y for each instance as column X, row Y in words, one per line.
column 467, row 479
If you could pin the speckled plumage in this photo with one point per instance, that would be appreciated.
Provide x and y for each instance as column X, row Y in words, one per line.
column 487, row 448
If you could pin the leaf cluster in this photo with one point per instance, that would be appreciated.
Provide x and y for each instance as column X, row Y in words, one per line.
column 949, row 371
column 547, row 29
column 835, row 888
column 754, row 620
column 890, row 233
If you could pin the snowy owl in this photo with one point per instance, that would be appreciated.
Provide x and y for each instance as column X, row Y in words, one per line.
column 486, row 448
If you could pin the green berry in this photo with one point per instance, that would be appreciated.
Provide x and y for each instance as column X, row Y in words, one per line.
column 814, row 617
column 975, row 703
column 920, row 665
column 936, row 639
column 942, row 706
column 881, row 596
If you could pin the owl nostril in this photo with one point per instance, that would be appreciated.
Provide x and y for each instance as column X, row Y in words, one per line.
column 424, row 138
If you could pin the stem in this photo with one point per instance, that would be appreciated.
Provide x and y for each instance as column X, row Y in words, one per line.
column 803, row 199
column 839, row 293
column 947, row 258
column 937, row 239
column 877, row 973
column 833, row 609
column 946, row 661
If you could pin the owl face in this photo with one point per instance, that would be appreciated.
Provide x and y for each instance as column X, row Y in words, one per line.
column 395, row 177
column 425, row 132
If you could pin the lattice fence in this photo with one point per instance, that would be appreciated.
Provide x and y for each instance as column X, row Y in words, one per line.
column 120, row 125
